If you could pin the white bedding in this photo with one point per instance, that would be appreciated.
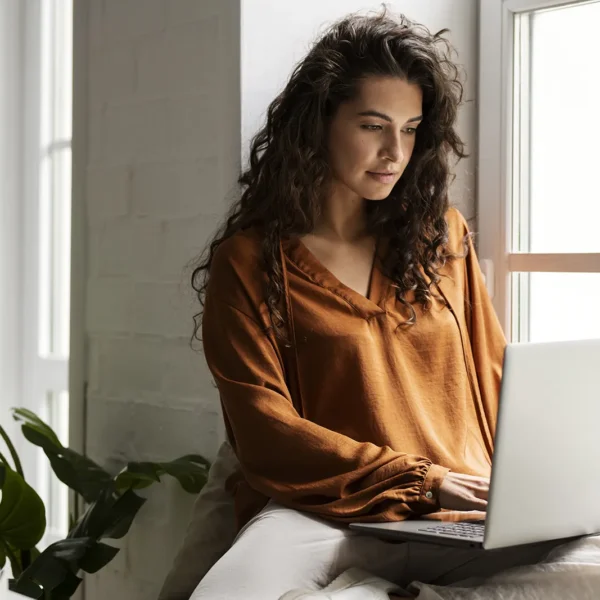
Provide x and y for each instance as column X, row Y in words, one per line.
column 570, row 572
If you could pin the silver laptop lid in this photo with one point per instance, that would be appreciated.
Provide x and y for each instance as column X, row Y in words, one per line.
column 545, row 474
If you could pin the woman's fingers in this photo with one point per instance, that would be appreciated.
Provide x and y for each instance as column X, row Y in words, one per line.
column 464, row 492
column 479, row 505
column 479, row 485
column 481, row 491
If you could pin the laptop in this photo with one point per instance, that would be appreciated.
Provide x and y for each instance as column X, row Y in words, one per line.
column 545, row 481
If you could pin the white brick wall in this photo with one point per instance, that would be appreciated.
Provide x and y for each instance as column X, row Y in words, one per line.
column 163, row 153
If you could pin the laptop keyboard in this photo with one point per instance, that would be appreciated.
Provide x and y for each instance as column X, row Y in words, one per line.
column 472, row 530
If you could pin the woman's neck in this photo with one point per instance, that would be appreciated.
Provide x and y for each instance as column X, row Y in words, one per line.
column 342, row 220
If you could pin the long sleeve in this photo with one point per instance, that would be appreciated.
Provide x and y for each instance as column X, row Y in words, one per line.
column 291, row 459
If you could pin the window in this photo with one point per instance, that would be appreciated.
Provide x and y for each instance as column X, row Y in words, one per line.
column 55, row 178
column 538, row 203
column 47, row 237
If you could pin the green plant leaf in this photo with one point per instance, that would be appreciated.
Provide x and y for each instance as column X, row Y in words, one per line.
column 25, row 588
column 91, row 521
column 67, row 588
column 76, row 471
column 98, row 556
column 108, row 517
column 125, row 510
column 54, row 568
column 190, row 470
column 34, row 553
column 34, row 422
column 22, row 512
column 13, row 452
column 15, row 558
column 137, row 475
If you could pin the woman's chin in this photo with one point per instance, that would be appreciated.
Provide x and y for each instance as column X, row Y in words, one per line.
column 377, row 191
column 378, row 195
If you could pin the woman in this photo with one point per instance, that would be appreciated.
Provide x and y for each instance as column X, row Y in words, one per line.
column 346, row 323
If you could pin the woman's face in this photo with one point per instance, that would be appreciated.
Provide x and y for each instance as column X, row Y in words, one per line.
column 362, row 143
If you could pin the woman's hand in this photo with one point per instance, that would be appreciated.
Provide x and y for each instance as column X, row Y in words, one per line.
column 464, row 492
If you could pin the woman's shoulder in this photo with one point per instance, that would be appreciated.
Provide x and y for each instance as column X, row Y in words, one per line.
column 241, row 251
column 236, row 274
column 457, row 229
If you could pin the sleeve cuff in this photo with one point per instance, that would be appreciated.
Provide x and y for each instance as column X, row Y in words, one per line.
column 430, row 489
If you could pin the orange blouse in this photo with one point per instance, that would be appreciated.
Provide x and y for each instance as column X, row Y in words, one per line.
column 380, row 414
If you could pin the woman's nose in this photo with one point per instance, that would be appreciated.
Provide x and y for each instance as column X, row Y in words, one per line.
column 393, row 150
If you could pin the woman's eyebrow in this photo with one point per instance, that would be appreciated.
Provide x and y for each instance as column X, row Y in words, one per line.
column 376, row 113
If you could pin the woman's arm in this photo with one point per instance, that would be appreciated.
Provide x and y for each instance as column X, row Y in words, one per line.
column 291, row 459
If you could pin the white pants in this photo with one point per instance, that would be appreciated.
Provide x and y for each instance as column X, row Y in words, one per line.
column 282, row 549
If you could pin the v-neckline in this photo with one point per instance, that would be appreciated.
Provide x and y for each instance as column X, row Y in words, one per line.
column 368, row 306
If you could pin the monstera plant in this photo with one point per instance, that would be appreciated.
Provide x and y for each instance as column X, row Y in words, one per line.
column 110, row 501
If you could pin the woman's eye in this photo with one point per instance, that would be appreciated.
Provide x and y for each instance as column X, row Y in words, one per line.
column 372, row 127
column 409, row 130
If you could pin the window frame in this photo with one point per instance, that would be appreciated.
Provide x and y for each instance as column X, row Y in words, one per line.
column 494, row 183
column 38, row 375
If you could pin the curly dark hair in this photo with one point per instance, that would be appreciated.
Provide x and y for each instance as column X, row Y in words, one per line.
column 283, row 187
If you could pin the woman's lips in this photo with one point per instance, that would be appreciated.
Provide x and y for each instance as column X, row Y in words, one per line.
column 383, row 178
